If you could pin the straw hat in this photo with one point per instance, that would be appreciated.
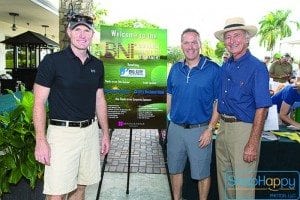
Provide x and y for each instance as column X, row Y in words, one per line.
column 236, row 23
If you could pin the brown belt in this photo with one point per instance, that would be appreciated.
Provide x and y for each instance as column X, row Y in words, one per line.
column 229, row 119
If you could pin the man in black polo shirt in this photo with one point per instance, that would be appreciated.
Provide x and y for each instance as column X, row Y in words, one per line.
column 71, row 82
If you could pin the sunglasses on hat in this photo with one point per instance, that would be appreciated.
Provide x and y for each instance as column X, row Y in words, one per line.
column 76, row 20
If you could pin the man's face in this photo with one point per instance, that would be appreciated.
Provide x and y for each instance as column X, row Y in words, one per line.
column 236, row 42
column 190, row 45
column 285, row 59
column 80, row 37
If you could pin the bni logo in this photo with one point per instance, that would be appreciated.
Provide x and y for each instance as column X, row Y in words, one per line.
column 129, row 72
column 268, row 184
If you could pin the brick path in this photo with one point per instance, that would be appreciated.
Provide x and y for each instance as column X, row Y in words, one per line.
column 146, row 152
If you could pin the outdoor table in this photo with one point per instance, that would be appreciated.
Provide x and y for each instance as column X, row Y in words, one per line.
column 278, row 155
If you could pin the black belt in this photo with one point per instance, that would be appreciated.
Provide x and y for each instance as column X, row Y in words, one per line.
column 80, row 124
column 229, row 119
column 189, row 126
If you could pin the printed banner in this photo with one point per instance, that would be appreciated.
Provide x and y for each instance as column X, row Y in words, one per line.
column 135, row 61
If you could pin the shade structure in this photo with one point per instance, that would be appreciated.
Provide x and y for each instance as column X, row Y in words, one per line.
column 32, row 41
column 30, row 38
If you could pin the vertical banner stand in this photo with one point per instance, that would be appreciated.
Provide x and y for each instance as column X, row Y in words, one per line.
column 129, row 160
column 102, row 170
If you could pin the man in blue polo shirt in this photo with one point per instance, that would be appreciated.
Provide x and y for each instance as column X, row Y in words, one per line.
column 71, row 81
column 192, row 89
column 242, row 105
column 284, row 99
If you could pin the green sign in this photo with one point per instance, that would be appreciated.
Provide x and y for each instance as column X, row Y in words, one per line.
column 135, row 61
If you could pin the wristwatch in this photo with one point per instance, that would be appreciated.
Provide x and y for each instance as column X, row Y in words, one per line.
column 212, row 129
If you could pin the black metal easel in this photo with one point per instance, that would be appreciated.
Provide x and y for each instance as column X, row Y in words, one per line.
column 163, row 144
column 129, row 160
column 102, row 171
column 128, row 170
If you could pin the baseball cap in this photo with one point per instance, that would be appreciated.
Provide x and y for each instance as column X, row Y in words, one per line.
column 80, row 19
column 277, row 55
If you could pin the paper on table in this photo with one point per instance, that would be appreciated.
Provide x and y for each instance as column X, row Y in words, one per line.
column 269, row 135
column 291, row 127
column 271, row 122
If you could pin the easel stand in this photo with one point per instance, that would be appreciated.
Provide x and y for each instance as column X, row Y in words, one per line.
column 129, row 160
column 128, row 170
column 102, row 170
column 163, row 145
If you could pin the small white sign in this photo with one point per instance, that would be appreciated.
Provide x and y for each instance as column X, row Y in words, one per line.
column 271, row 122
column 129, row 72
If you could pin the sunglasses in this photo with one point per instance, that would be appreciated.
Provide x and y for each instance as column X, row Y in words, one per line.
column 82, row 18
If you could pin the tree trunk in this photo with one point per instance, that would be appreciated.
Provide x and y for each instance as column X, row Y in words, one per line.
column 65, row 7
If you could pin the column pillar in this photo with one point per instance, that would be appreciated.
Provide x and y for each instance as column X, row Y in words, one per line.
column 79, row 6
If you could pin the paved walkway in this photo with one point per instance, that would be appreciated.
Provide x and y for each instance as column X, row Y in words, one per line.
column 148, row 179
column 146, row 152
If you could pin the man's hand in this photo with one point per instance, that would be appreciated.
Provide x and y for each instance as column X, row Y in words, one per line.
column 42, row 151
column 205, row 138
column 105, row 144
column 250, row 152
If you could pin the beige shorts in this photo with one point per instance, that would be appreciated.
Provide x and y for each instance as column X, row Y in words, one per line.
column 75, row 158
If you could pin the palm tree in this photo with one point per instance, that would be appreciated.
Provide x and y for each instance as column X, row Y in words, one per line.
column 273, row 26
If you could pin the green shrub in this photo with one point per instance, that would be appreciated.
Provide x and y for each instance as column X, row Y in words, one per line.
column 17, row 143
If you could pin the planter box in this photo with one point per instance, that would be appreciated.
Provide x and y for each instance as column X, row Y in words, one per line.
column 23, row 191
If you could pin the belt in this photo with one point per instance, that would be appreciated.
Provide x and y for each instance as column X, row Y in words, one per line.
column 229, row 119
column 189, row 126
column 80, row 124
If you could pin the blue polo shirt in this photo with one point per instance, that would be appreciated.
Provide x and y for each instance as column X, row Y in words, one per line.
column 289, row 94
column 193, row 91
column 244, row 88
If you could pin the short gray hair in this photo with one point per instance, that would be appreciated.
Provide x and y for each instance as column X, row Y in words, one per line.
column 190, row 30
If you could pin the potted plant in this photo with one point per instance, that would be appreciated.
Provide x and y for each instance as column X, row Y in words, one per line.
column 17, row 143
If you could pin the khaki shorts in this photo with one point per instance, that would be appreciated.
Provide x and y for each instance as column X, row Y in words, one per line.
column 75, row 158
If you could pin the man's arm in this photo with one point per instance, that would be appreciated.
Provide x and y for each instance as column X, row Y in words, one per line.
column 215, row 116
column 206, row 137
column 101, row 111
column 42, row 149
column 284, row 115
column 251, row 148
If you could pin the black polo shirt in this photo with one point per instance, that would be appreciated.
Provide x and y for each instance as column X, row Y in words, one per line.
column 73, row 85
